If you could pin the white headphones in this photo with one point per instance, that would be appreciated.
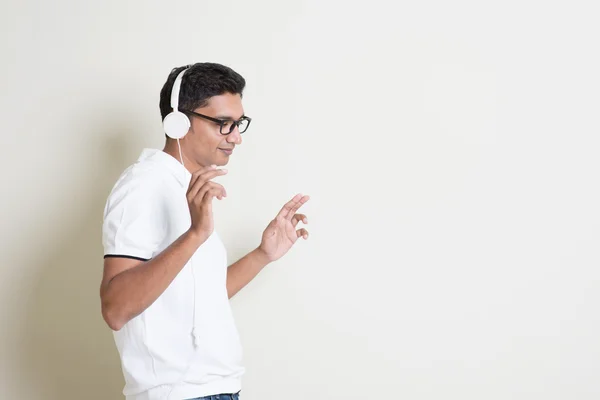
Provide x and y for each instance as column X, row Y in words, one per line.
column 176, row 124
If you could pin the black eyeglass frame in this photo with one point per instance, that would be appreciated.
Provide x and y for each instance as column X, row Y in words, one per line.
column 222, row 122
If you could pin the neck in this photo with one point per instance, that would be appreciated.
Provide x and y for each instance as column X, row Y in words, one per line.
column 172, row 149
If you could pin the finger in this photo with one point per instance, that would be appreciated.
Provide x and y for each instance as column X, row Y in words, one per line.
column 199, row 198
column 213, row 192
column 202, row 179
column 198, row 192
column 210, row 187
column 199, row 172
column 216, row 185
column 285, row 210
column 302, row 233
column 297, row 205
column 299, row 217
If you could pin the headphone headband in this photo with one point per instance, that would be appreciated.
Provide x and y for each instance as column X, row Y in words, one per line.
column 175, row 90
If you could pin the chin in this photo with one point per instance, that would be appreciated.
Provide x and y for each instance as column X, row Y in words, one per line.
column 222, row 160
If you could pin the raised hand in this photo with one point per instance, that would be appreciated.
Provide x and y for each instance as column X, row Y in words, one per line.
column 281, row 233
column 199, row 197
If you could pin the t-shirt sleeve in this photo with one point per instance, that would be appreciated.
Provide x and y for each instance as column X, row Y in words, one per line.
column 134, row 221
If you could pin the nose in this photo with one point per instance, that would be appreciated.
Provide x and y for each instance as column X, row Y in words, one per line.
column 235, row 136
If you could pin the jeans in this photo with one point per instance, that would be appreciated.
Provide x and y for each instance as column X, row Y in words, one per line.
column 225, row 396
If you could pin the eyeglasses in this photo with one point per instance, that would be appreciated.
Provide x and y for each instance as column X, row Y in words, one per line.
column 226, row 126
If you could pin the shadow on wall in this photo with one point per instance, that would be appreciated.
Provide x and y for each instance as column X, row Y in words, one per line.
column 66, row 350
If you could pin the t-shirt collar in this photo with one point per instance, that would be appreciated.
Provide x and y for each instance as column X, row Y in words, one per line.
column 174, row 165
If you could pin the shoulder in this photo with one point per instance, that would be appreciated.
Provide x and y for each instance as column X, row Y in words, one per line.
column 142, row 185
column 148, row 178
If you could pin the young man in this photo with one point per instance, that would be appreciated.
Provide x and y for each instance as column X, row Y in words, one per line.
column 166, row 285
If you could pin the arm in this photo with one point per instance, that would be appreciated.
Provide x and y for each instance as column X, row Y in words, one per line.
column 279, row 236
column 130, row 286
column 240, row 273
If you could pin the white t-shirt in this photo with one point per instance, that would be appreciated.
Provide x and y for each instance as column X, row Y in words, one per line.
column 185, row 344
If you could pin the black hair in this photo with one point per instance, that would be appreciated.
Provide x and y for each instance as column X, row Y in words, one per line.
column 200, row 82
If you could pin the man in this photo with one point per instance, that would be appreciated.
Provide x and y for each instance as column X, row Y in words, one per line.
column 166, row 284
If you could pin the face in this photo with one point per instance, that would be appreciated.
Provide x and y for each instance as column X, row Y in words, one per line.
column 205, row 143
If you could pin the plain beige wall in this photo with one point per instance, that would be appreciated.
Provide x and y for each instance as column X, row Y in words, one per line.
column 450, row 149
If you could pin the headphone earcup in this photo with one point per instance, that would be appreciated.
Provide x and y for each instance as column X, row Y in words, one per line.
column 176, row 125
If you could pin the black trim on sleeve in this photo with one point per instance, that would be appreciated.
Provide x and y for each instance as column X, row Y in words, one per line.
column 125, row 256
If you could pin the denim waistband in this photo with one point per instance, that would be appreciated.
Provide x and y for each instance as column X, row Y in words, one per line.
column 222, row 396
